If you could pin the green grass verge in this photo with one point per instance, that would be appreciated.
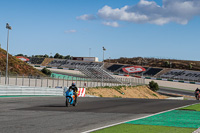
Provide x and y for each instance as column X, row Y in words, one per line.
column 195, row 107
column 174, row 118
column 129, row 128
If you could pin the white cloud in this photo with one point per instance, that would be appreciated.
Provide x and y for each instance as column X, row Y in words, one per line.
column 179, row 11
column 86, row 17
column 112, row 24
column 70, row 31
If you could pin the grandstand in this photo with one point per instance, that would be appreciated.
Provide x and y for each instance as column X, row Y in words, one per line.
column 57, row 62
column 97, row 73
column 72, row 64
column 152, row 71
column 182, row 75
column 115, row 67
column 35, row 60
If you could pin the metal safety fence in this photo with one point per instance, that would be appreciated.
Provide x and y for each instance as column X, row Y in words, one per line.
column 61, row 82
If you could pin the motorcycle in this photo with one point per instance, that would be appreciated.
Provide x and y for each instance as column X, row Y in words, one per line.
column 197, row 95
column 70, row 98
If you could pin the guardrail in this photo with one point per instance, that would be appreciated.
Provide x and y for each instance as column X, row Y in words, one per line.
column 180, row 81
column 23, row 90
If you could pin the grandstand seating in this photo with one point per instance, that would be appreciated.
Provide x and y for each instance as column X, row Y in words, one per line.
column 73, row 64
column 149, row 71
column 97, row 73
column 35, row 60
column 115, row 67
column 152, row 71
column 121, row 71
column 182, row 75
column 57, row 62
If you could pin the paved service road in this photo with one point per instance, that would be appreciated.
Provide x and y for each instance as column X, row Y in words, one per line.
column 49, row 114
column 176, row 91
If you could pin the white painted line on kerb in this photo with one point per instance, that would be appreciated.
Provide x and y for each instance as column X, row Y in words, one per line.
column 135, row 119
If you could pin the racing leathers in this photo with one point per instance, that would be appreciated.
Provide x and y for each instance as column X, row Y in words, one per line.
column 75, row 89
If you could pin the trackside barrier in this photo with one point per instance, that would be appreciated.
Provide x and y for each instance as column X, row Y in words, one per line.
column 180, row 81
column 22, row 90
column 81, row 91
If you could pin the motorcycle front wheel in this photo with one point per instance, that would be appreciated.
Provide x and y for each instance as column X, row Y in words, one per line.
column 67, row 102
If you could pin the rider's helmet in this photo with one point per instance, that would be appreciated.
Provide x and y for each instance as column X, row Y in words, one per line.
column 73, row 84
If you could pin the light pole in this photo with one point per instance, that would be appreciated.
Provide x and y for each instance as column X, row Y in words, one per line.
column 103, row 53
column 9, row 28
column 102, row 66
column 89, row 52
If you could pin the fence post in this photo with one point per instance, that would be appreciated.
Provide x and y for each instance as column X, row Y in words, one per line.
column 41, row 81
column 35, row 81
column 80, row 82
column 16, row 80
column 0, row 77
column 47, row 82
column 63, row 82
column 87, row 82
column 58, row 81
column 29, row 81
column 53, row 82
column 91, row 83
column 67, row 80
column 8, row 79
column 23, row 80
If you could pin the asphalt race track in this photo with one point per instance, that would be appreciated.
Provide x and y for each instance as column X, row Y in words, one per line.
column 49, row 114
column 176, row 91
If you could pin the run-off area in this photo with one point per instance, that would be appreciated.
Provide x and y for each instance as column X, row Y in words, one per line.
column 182, row 120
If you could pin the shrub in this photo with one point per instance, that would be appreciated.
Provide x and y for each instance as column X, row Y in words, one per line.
column 153, row 86
column 46, row 71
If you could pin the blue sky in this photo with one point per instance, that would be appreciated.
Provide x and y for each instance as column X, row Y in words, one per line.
column 126, row 28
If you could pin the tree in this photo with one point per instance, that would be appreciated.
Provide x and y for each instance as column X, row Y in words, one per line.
column 61, row 57
column 190, row 66
column 46, row 71
column 153, row 86
column 19, row 55
column 46, row 56
column 167, row 64
column 67, row 57
column 57, row 55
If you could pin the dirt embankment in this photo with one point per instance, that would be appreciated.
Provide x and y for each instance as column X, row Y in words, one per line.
column 16, row 66
column 125, row 92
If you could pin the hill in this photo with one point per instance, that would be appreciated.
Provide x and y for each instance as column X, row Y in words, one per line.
column 155, row 62
column 16, row 66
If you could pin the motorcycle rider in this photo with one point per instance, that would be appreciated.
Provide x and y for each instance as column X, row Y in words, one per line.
column 75, row 89
column 197, row 90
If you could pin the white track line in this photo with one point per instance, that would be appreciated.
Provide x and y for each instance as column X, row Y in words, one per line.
column 135, row 119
